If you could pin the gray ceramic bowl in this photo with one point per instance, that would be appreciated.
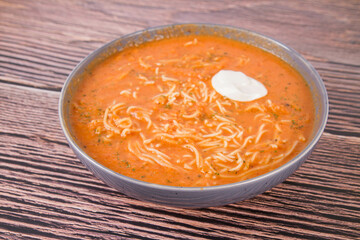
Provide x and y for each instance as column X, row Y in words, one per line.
column 196, row 197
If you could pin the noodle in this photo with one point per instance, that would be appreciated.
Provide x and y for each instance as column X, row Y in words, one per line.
column 214, row 138
column 166, row 118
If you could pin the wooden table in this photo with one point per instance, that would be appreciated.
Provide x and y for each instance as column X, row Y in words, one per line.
column 45, row 192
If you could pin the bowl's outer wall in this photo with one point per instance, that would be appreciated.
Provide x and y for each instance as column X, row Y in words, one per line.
column 207, row 196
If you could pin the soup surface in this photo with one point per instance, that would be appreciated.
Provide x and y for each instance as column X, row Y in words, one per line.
column 150, row 112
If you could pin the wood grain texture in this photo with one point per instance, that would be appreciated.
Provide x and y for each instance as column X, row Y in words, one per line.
column 46, row 193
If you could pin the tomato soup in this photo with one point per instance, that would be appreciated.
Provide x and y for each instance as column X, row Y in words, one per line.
column 151, row 113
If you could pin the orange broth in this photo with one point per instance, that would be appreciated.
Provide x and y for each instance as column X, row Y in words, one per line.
column 161, row 93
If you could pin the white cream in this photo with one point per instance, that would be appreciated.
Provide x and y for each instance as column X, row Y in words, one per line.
column 237, row 86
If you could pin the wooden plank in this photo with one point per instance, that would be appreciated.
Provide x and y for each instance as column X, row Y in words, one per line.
column 46, row 193
column 63, row 36
column 45, row 190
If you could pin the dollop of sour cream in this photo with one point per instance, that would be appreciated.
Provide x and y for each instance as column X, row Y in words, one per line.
column 237, row 86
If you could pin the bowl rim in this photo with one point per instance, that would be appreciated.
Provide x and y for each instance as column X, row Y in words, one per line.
column 302, row 155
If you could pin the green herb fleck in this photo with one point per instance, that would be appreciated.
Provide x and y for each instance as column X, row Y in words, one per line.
column 203, row 117
column 126, row 163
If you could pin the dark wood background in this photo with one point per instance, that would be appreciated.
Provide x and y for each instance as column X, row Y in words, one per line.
column 45, row 192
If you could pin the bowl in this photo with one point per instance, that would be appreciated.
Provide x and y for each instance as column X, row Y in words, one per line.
column 197, row 197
